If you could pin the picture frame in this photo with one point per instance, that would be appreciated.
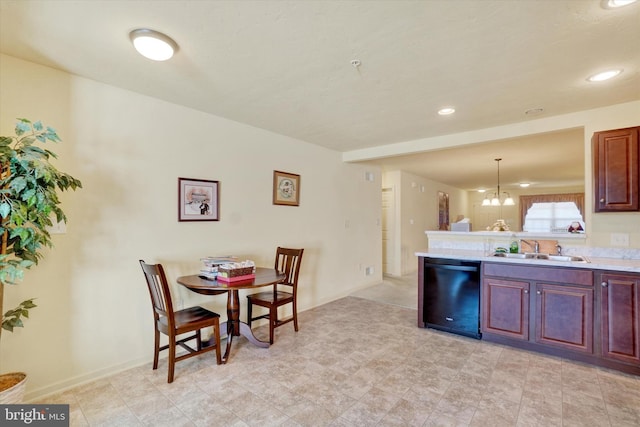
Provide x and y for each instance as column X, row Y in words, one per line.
column 443, row 210
column 286, row 188
column 198, row 200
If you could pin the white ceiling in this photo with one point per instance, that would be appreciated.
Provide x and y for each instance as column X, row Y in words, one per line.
column 285, row 66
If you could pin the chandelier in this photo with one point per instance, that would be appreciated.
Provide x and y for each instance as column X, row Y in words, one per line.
column 495, row 201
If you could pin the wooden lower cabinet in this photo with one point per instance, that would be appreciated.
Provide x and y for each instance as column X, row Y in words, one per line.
column 564, row 316
column 505, row 308
column 620, row 316
column 591, row 316
column 542, row 306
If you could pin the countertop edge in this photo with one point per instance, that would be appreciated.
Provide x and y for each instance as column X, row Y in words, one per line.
column 623, row 265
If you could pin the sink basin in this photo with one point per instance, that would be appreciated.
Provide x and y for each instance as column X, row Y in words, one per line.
column 567, row 258
column 547, row 257
column 509, row 255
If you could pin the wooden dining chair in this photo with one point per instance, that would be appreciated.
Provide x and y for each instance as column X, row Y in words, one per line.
column 174, row 323
column 287, row 262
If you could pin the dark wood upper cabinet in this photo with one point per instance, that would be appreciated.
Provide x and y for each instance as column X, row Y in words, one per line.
column 616, row 170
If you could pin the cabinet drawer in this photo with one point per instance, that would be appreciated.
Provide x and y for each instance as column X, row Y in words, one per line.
column 568, row 275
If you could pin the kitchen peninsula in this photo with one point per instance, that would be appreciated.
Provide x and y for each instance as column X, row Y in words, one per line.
column 586, row 310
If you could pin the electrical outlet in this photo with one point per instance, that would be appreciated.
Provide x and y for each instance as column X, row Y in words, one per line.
column 620, row 239
column 57, row 227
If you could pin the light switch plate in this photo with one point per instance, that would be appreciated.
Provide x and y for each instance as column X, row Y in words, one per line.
column 620, row 239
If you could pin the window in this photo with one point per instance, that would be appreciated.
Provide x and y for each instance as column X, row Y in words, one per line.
column 551, row 212
column 554, row 216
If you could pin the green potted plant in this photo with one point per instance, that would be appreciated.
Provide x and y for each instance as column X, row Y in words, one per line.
column 29, row 186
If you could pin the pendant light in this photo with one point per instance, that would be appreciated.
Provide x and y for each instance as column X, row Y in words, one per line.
column 495, row 201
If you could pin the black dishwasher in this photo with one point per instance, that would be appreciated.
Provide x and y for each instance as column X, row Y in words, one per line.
column 451, row 292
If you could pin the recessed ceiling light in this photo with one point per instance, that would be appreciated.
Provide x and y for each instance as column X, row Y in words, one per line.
column 605, row 75
column 534, row 111
column 481, row 191
column 524, row 184
column 614, row 4
column 446, row 111
column 152, row 44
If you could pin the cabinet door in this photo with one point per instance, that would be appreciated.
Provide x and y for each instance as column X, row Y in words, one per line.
column 620, row 316
column 505, row 306
column 615, row 170
column 564, row 316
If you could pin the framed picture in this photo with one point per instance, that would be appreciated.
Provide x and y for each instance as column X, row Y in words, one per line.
column 198, row 200
column 286, row 188
column 443, row 210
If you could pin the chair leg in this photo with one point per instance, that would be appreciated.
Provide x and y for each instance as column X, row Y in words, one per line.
column 172, row 357
column 249, row 310
column 295, row 316
column 216, row 336
column 156, row 349
column 199, row 340
column 273, row 320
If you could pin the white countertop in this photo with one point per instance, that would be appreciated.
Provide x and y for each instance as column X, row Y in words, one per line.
column 508, row 234
column 628, row 265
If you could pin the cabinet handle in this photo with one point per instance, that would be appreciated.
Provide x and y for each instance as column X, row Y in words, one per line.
column 601, row 200
column 539, row 292
column 526, row 291
column 604, row 284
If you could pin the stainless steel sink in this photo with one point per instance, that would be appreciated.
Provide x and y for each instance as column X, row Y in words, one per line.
column 547, row 257
column 509, row 255
column 567, row 258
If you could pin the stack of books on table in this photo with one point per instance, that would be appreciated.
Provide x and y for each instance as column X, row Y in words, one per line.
column 211, row 264
column 236, row 271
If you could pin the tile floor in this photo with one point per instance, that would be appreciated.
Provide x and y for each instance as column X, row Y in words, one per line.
column 360, row 362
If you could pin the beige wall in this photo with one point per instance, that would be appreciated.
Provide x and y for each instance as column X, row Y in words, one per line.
column 600, row 226
column 604, row 224
column 417, row 211
column 94, row 316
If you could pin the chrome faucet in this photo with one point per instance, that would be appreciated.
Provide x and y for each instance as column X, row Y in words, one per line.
column 558, row 249
column 535, row 243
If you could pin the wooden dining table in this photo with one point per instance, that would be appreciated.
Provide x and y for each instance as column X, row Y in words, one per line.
column 234, row 326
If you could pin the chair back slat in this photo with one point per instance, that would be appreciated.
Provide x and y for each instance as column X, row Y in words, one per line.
column 158, row 289
column 288, row 262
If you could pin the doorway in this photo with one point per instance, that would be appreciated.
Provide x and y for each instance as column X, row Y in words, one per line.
column 389, row 232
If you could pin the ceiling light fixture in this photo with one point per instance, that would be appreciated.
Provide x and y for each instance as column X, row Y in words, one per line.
column 614, row 4
column 446, row 111
column 152, row 44
column 534, row 111
column 605, row 75
column 495, row 201
column 524, row 184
